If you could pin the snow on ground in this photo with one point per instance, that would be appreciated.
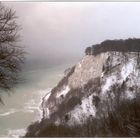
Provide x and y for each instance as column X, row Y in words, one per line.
column 115, row 60
column 109, row 82
column 63, row 92
column 130, row 95
column 83, row 111
column 86, row 109
column 127, row 70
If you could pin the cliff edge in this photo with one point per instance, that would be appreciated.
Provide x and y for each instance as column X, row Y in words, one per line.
column 98, row 97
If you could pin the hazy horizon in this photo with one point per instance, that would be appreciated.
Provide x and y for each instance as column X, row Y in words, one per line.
column 54, row 32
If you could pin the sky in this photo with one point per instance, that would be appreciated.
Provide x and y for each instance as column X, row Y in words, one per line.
column 57, row 31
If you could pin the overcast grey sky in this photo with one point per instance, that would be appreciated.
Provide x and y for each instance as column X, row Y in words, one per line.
column 64, row 29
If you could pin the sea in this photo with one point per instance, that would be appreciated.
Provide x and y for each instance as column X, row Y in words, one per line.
column 22, row 105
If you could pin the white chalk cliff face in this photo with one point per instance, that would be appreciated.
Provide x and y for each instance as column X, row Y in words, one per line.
column 94, row 80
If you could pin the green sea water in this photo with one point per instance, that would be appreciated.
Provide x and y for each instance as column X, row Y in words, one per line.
column 23, row 104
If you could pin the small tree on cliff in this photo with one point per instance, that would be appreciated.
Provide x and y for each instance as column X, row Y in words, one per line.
column 11, row 55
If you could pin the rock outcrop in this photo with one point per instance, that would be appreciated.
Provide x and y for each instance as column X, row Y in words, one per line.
column 91, row 88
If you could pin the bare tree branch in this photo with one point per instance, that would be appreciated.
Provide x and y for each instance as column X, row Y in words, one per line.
column 11, row 54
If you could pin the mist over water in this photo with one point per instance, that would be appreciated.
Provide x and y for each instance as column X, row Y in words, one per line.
column 23, row 106
column 55, row 36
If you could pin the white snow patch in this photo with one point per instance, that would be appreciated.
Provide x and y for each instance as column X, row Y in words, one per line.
column 102, row 74
column 83, row 111
column 109, row 81
column 64, row 92
column 115, row 61
column 130, row 95
column 127, row 70
column 79, row 65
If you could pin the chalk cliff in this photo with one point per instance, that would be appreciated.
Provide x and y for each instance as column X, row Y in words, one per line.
column 89, row 91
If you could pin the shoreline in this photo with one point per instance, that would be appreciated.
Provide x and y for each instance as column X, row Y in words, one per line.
column 43, row 104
